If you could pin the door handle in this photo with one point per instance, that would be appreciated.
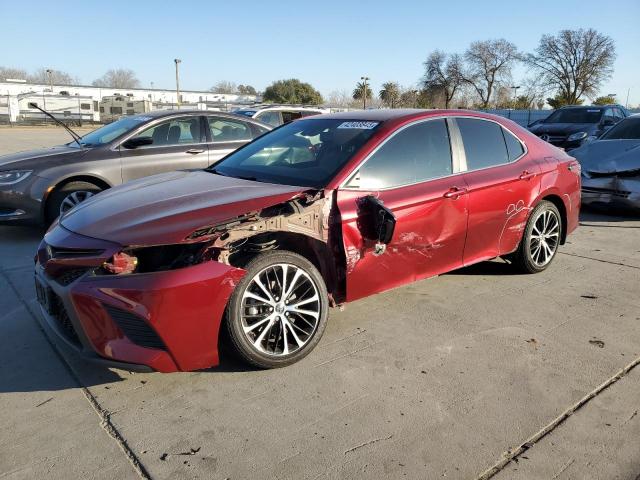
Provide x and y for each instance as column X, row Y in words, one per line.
column 526, row 175
column 195, row 151
column 454, row 192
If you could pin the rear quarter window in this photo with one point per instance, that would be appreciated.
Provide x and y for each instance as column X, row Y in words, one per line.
column 484, row 143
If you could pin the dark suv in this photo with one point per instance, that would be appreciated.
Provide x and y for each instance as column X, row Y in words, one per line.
column 568, row 127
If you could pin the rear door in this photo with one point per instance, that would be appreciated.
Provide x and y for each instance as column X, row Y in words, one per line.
column 225, row 135
column 178, row 143
column 502, row 181
column 413, row 174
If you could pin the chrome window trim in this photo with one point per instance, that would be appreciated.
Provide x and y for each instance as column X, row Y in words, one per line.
column 454, row 136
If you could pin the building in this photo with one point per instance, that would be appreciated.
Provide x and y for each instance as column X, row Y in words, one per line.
column 75, row 102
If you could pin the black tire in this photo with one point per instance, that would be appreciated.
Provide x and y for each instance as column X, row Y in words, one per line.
column 523, row 258
column 58, row 196
column 262, row 266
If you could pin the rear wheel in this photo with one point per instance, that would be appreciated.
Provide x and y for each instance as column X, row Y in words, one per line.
column 68, row 196
column 278, row 312
column 540, row 240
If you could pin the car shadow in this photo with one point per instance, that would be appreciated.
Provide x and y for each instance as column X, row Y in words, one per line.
column 490, row 267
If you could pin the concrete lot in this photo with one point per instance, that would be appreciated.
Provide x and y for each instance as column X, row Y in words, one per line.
column 437, row 379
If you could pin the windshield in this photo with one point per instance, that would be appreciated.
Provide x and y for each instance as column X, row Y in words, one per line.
column 575, row 115
column 109, row 132
column 627, row 129
column 305, row 153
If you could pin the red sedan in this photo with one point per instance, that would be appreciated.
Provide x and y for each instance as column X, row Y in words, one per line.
column 316, row 213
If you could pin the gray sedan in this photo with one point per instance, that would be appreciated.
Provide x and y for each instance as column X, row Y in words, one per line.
column 37, row 186
column 611, row 166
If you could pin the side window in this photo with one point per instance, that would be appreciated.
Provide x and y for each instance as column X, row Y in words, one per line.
column 290, row 116
column 271, row 117
column 258, row 130
column 177, row 131
column 228, row 130
column 608, row 116
column 484, row 144
column 417, row 153
column 514, row 147
column 618, row 114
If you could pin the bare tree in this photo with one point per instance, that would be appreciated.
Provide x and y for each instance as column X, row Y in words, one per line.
column 118, row 78
column 16, row 73
column 57, row 77
column 225, row 87
column 341, row 99
column 442, row 73
column 575, row 62
column 390, row 94
column 489, row 63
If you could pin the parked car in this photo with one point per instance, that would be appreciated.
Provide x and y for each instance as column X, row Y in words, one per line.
column 569, row 127
column 611, row 167
column 319, row 212
column 276, row 115
column 38, row 185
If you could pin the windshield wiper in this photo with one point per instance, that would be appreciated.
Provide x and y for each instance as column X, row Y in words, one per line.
column 75, row 136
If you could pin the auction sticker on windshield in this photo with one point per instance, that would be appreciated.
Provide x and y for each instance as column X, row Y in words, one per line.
column 359, row 125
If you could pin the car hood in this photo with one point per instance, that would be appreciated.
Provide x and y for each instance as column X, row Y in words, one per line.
column 166, row 208
column 562, row 128
column 34, row 159
column 604, row 157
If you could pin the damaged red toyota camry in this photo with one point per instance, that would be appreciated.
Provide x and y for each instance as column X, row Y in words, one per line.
column 316, row 213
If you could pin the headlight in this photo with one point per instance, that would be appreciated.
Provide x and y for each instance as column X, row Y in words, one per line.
column 154, row 259
column 577, row 136
column 13, row 176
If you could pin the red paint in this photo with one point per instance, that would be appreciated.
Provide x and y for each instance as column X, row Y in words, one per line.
column 441, row 225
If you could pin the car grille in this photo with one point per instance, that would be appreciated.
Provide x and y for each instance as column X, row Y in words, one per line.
column 61, row 316
column 69, row 276
column 57, row 252
column 608, row 191
column 553, row 139
column 135, row 328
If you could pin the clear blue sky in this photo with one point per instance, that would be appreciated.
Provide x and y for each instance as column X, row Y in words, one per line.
column 327, row 43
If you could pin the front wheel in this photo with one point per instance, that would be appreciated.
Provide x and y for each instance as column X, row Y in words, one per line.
column 278, row 311
column 540, row 240
column 68, row 196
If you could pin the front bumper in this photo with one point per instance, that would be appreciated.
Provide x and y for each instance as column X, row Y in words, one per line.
column 21, row 204
column 165, row 321
column 613, row 191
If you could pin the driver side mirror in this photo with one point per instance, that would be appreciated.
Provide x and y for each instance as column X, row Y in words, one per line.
column 136, row 142
column 608, row 122
column 376, row 222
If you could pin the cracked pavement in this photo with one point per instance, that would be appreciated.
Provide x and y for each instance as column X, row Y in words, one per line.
column 436, row 379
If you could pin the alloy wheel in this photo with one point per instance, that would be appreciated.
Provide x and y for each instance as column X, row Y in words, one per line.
column 544, row 238
column 73, row 199
column 280, row 310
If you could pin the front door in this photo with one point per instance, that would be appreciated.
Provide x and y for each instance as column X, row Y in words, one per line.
column 226, row 135
column 414, row 174
column 502, row 181
column 176, row 144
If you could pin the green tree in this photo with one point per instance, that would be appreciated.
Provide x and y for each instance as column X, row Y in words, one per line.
column 562, row 101
column 609, row 99
column 247, row 90
column 362, row 91
column 390, row 94
column 292, row 91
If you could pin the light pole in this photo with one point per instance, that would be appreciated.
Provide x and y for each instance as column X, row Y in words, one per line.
column 177, row 61
column 50, row 76
column 364, row 92
column 515, row 94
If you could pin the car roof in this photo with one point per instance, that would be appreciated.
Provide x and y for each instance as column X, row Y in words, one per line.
column 155, row 114
column 591, row 107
